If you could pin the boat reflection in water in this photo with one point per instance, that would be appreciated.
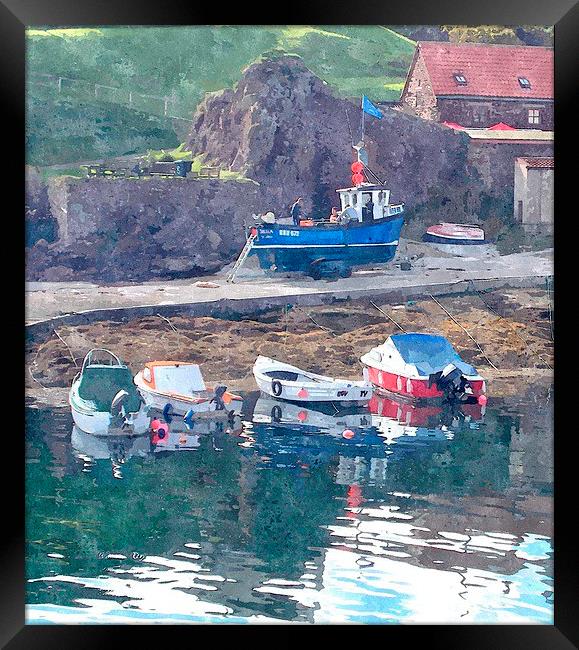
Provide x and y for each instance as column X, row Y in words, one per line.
column 119, row 449
column 399, row 420
column 363, row 441
column 182, row 433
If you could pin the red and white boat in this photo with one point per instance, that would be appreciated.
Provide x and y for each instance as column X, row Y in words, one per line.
column 422, row 366
column 178, row 386
column 455, row 233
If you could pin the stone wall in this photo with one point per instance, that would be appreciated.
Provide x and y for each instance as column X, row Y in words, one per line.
column 134, row 229
column 418, row 97
column 481, row 113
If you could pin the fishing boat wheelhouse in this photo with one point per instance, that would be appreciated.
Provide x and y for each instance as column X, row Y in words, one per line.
column 364, row 235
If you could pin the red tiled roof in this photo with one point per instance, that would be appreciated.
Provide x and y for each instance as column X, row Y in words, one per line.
column 490, row 70
column 501, row 126
column 538, row 163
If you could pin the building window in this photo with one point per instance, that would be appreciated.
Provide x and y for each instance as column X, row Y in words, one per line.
column 534, row 116
column 460, row 78
column 524, row 82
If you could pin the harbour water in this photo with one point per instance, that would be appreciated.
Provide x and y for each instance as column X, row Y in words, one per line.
column 295, row 516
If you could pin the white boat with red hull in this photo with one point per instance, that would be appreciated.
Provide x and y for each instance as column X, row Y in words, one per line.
column 462, row 234
column 422, row 366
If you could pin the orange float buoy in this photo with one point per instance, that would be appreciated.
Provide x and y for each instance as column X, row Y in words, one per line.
column 155, row 424
column 482, row 400
column 348, row 434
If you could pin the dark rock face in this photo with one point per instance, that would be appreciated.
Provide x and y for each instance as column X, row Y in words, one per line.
column 40, row 224
column 113, row 230
column 283, row 127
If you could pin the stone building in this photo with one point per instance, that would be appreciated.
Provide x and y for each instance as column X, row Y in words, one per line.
column 478, row 85
column 534, row 192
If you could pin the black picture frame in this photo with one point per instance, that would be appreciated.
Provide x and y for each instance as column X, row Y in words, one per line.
column 15, row 15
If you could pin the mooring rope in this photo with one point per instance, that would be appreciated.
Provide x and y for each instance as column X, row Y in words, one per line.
column 387, row 316
column 470, row 336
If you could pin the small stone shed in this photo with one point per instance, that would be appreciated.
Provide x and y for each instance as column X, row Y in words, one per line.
column 533, row 201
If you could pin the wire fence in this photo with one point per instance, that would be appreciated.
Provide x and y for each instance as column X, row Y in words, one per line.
column 82, row 89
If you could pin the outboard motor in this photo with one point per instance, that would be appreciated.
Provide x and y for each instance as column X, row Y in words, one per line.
column 451, row 382
column 118, row 409
column 218, row 398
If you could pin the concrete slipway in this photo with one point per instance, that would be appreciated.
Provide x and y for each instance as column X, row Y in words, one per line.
column 50, row 304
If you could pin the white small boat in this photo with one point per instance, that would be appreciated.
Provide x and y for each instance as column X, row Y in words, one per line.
column 178, row 387
column 455, row 233
column 103, row 399
column 284, row 381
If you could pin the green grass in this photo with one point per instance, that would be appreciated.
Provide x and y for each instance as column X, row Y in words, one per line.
column 185, row 63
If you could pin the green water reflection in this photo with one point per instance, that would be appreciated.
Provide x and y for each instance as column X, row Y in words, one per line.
column 290, row 523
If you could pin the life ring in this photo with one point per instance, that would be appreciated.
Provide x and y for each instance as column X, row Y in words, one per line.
column 276, row 387
column 276, row 413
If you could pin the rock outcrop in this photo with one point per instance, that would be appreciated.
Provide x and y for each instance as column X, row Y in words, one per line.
column 284, row 127
column 115, row 230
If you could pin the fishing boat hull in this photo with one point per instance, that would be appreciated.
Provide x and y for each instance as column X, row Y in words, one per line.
column 421, row 366
column 103, row 399
column 103, row 423
column 295, row 248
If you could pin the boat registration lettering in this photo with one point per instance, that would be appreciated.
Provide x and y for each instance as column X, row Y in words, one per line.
column 342, row 393
column 289, row 233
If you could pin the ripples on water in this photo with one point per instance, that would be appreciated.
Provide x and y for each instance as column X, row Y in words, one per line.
column 413, row 517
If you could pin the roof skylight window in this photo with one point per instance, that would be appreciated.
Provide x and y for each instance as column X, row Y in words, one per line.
column 524, row 82
column 460, row 79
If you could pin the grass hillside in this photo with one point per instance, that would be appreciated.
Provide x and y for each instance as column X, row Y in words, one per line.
column 182, row 63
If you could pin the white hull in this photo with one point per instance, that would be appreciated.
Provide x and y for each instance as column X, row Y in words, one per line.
column 308, row 387
column 181, row 406
column 100, row 423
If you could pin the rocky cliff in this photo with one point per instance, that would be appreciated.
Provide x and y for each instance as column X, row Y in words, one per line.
column 114, row 230
column 284, row 127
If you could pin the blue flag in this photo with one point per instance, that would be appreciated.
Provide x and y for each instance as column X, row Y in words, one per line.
column 369, row 108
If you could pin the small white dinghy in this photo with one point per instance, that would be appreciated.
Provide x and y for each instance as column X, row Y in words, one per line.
column 178, row 387
column 284, row 381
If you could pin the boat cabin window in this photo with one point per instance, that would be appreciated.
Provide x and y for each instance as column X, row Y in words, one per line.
column 282, row 374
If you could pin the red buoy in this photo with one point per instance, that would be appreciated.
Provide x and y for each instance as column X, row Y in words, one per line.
column 358, row 179
column 357, row 167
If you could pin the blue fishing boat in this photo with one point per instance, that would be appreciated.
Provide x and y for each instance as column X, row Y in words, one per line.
column 365, row 231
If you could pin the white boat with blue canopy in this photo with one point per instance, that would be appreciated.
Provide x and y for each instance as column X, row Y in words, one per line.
column 367, row 232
